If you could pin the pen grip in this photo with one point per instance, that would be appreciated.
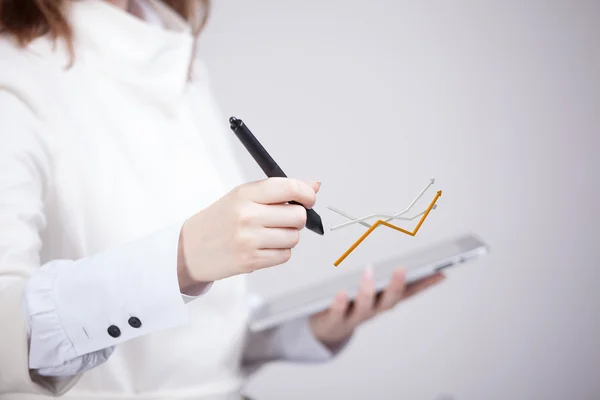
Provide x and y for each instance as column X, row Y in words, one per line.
column 278, row 173
column 270, row 168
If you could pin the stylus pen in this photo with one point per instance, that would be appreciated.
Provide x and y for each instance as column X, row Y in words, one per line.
column 270, row 167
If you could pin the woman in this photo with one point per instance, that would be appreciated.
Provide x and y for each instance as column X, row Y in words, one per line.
column 126, row 228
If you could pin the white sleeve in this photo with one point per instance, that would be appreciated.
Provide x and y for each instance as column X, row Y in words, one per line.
column 76, row 311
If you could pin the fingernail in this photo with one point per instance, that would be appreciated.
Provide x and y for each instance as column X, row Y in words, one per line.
column 369, row 274
column 399, row 274
column 340, row 301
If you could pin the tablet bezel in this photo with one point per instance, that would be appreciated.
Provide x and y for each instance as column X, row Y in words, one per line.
column 264, row 313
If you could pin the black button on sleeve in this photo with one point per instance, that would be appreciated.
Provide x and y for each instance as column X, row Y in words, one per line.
column 114, row 331
column 135, row 322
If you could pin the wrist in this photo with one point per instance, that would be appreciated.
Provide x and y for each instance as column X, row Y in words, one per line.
column 187, row 284
column 332, row 338
column 334, row 345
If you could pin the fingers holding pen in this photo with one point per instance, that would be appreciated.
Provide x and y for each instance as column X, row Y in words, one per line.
column 283, row 190
column 251, row 227
column 281, row 216
column 284, row 222
column 270, row 197
column 278, row 238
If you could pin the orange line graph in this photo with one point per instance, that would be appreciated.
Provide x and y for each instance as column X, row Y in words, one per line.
column 381, row 222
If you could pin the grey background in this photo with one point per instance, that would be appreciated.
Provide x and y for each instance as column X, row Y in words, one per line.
column 500, row 102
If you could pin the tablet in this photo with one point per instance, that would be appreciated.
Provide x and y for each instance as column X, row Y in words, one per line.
column 270, row 312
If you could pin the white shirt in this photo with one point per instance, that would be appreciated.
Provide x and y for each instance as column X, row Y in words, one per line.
column 99, row 166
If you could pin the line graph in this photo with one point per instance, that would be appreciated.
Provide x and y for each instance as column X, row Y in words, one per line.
column 361, row 220
column 388, row 218
column 385, row 222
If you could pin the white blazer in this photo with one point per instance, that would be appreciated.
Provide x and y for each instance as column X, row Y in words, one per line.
column 99, row 166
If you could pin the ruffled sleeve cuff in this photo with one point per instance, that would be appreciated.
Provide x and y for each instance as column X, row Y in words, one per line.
column 40, row 309
column 78, row 311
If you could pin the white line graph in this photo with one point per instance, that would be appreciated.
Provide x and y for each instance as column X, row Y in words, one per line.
column 388, row 218
column 361, row 220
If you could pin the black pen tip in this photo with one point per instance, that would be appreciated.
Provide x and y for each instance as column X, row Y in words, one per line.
column 234, row 122
column 314, row 223
column 319, row 230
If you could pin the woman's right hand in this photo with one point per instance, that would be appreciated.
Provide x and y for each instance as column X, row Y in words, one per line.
column 249, row 228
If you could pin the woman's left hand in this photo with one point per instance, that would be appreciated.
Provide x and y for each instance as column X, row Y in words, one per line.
column 336, row 325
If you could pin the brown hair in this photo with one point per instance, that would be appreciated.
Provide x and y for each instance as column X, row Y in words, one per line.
column 26, row 20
